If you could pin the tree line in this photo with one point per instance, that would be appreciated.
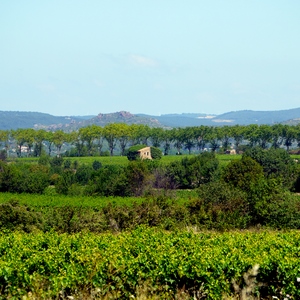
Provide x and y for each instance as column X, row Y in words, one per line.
column 91, row 140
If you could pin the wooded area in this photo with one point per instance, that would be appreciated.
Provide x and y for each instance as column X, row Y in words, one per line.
column 95, row 140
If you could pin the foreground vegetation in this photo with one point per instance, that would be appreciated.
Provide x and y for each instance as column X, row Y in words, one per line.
column 85, row 229
column 256, row 189
column 149, row 263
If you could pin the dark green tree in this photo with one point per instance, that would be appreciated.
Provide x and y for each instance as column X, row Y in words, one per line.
column 276, row 163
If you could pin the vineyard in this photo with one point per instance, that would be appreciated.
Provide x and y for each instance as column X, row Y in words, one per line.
column 150, row 263
column 205, row 226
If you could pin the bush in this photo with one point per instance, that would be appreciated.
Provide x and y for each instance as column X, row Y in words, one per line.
column 64, row 182
column 273, row 206
column 14, row 216
column 23, row 178
column 67, row 164
column 83, row 174
column 105, row 153
column 56, row 164
column 224, row 207
column 44, row 160
column 36, row 179
column 282, row 211
column 243, row 173
column 108, row 181
column 192, row 172
column 137, row 174
column 155, row 153
column 10, row 178
column 56, row 161
column 96, row 165
column 276, row 163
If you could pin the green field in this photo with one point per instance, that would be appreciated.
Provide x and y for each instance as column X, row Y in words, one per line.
column 224, row 159
column 149, row 264
column 122, row 160
column 56, row 200
column 36, row 200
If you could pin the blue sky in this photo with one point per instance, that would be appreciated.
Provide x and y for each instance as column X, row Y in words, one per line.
column 72, row 57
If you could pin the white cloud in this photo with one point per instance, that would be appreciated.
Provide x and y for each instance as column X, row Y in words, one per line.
column 142, row 61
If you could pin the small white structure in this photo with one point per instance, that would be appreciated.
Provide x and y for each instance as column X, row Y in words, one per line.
column 145, row 153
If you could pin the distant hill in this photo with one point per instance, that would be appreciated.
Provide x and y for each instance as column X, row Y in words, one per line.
column 21, row 119
column 246, row 117
column 295, row 121
column 183, row 120
column 242, row 117
column 123, row 117
column 16, row 119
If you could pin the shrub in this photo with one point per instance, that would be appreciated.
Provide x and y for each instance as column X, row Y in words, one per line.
column 83, row 174
column 243, row 173
column 108, row 181
column 224, row 206
column 64, row 181
column 96, row 165
column 137, row 174
column 56, row 164
column 23, row 178
column 105, row 153
column 44, row 160
column 281, row 212
column 14, row 216
column 56, row 161
column 36, row 179
column 10, row 178
column 155, row 153
column 192, row 172
column 67, row 164
column 276, row 163
column 273, row 206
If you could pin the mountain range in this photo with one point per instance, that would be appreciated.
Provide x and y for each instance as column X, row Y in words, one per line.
column 20, row 119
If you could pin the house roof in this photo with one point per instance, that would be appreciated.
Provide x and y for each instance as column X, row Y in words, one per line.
column 144, row 149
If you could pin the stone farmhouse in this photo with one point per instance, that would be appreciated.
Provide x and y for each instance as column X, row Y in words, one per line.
column 145, row 153
column 231, row 152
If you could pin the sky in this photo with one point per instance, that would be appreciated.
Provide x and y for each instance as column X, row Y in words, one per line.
column 74, row 57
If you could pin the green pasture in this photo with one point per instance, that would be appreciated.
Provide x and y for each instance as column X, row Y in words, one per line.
column 55, row 200
column 123, row 161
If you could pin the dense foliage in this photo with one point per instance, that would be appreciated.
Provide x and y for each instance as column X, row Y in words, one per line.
column 114, row 138
column 148, row 263
column 241, row 194
column 71, row 248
